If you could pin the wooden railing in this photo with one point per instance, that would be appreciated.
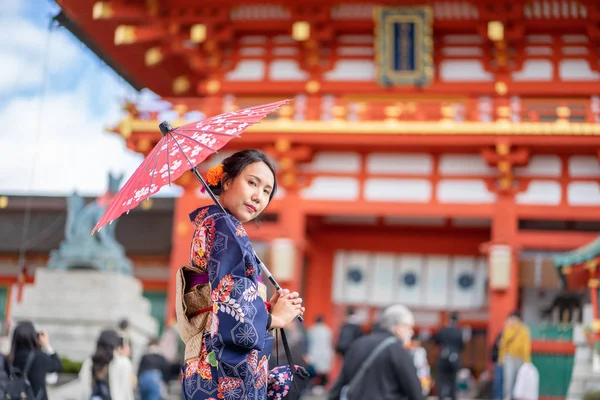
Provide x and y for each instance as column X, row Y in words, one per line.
column 415, row 109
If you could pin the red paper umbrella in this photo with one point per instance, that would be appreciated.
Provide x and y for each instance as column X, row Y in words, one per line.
column 180, row 150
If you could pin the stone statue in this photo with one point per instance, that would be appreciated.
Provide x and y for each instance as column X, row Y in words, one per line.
column 80, row 249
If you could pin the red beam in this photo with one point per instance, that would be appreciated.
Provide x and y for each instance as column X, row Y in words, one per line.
column 562, row 212
column 554, row 240
column 320, row 207
column 552, row 347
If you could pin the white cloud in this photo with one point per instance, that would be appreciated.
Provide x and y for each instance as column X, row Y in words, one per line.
column 18, row 73
column 54, row 141
column 24, row 49
column 71, row 151
column 12, row 8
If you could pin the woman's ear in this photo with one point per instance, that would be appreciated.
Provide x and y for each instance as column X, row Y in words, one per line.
column 225, row 182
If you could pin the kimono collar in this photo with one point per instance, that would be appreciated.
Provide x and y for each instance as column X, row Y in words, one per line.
column 207, row 210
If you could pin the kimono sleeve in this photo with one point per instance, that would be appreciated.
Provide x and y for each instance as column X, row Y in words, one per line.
column 239, row 314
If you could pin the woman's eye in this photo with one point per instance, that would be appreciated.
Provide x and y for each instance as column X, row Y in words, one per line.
column 267, row 192
column 252, row 183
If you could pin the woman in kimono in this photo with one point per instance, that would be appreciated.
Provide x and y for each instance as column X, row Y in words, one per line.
column 222, row 313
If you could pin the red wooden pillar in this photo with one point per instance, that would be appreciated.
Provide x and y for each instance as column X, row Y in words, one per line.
column 504, row 232
column 180, row 248
column 317, row 288
column 293, row 220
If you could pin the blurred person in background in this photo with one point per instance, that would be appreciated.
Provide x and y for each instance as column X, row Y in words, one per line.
column 378, row 366
column 514, row 351
column 450, row 340
column 320, row 351
column 169, row 347
column 31, row 347
column 421, row 364
column 153, row 373
column 123, row 331
column 349, row 332
column 498, row 373
column 108, row 374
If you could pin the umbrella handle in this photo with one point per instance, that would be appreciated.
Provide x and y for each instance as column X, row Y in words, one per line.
column 266, row 271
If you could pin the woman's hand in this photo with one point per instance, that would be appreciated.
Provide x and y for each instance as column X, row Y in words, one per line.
column 276, row 296
column 286, row 309
column 44, row 339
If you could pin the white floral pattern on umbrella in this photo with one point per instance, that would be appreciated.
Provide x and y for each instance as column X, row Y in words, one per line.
column 180, row 150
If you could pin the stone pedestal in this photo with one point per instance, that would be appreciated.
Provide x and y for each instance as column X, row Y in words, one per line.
column 74, row 306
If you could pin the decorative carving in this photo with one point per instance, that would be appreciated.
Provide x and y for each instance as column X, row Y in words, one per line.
column 288, row 158
column 80, row 249
column 505, row 158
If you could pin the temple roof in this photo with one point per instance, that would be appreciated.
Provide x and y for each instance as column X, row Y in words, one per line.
column 142, row 232
column 578, row 256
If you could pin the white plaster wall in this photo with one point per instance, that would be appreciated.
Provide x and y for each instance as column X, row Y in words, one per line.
column 539, row 39
column 584, row 166
column 356, row 39
column 400, row 163
column 285, row 51
column 541, row 192
column 464, row 164
column 333, row 162
column 252, row 51
column 283, row 39
column 538, row 50
column 286, row 70
column 577, row 70
column 355, row 51
column 583, row 193
column 352, row 70
column 464, row 71
column 405, row 190
column 541, row 165
column 464, row 191
column 462, row 39
column 462, row 51
column 330, row 188
column 247, row 70
column 253, row 39
column 534, row 70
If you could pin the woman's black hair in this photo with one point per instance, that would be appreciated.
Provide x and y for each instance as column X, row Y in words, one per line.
column 25, row 337
column 235, row 164
column 108, row 341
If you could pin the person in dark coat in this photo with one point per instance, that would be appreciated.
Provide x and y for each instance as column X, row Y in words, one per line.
column 392, row 374
column 349, row 332
column 450, row 341
column 153, row 373
column 26, row 340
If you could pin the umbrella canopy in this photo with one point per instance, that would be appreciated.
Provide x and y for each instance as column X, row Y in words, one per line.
column 180, row 150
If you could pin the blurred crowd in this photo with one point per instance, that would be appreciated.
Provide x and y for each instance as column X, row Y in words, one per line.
column 385, row 360
column 31, row 365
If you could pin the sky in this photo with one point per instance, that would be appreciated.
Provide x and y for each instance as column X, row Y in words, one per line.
column 57, row 100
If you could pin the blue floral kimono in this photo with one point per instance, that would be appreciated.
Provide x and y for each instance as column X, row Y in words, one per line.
column 233, row 360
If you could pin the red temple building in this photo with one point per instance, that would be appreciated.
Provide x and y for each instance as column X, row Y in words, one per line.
column 433, row 154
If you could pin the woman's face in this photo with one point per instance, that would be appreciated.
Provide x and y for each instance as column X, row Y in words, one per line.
column 247, row 195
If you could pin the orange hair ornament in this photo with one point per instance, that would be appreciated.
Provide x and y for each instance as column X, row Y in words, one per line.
column 214, row 175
